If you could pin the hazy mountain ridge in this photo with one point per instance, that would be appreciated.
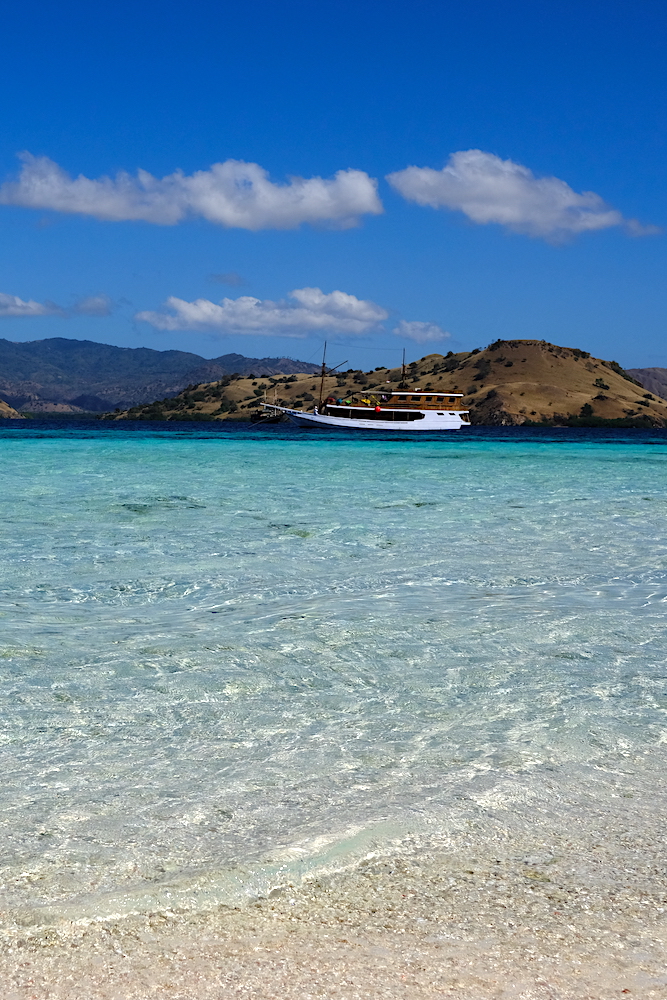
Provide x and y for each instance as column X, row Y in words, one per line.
column 653, row 379
column 59, row 374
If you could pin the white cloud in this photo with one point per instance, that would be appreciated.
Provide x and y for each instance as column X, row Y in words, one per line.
column 310, row 310
column 488, row 189
column 12, row 305
column 232, row 194
column 420, row 332
column 93, row 305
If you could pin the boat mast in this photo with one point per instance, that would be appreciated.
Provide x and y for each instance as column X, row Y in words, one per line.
column 324, row 371
column 403, row 384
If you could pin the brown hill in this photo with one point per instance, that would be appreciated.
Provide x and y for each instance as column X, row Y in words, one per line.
column 7, row 412
column 510, row 382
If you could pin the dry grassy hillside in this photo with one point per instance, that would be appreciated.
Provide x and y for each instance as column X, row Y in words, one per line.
column 510, row 382
column 7, row 412
column 516, row 381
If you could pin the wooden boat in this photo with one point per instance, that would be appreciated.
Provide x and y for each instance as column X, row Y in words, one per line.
column 390, row 410
column 411, row 410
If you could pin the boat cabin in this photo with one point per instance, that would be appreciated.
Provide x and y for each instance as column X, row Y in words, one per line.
column 392, row 404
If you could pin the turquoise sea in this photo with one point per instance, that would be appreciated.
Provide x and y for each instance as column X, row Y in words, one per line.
column 231, row 656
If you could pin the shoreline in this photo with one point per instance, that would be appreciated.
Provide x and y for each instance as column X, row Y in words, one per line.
column 507, row 915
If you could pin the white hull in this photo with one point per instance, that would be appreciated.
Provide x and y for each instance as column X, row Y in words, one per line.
column 430, row 420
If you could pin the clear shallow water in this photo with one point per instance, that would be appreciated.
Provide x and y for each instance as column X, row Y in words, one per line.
column 227, row 655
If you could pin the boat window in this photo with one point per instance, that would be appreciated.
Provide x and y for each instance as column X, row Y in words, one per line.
column 402, row 415
column 427, row 398
column 362, row 413
column 452, row 399
column 440, row 414
column 417, row 398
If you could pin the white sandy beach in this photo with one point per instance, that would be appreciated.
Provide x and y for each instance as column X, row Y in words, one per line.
column 573, row 915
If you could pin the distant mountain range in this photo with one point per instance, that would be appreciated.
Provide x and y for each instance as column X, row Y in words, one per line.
column 61, row 375
column 79, row 375
column 653, row 379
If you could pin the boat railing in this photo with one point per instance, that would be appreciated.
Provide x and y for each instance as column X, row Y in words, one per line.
column 389, row 401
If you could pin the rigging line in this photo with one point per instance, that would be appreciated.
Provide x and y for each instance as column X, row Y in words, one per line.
column 353, row 347
column 316, row 351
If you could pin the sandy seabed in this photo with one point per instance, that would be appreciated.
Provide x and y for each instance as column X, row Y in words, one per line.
column 567, row 916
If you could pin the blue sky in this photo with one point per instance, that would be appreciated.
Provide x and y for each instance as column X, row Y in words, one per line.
column 573, row 91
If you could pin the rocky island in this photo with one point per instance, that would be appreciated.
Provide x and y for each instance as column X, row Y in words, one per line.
column 510, row 382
